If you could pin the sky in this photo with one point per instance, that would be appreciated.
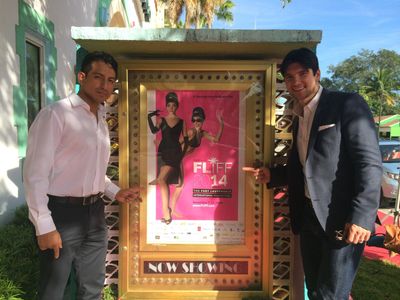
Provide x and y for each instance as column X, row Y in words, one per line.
column 348, row 26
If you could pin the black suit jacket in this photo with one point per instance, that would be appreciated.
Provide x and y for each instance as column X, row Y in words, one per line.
column 343, row 165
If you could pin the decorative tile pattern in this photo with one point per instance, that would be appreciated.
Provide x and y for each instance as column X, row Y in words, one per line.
column 112, row 207
column 283, row 239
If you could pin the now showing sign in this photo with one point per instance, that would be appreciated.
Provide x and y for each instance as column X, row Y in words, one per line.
column 195, row 267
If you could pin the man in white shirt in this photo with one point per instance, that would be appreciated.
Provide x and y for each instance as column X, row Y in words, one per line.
column 65, row 178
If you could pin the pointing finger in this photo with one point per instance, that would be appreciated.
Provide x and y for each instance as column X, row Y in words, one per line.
column 249, row 169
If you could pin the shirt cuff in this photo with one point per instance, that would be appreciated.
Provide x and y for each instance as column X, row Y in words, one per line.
column 44, row 225
column 111, row 190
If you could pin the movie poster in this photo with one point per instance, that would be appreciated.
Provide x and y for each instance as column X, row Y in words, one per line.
column 198, row 197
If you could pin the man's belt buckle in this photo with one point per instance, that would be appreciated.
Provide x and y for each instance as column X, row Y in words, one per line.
column 89, row 200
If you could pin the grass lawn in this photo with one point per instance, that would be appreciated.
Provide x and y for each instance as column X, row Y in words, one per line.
column 377, row 280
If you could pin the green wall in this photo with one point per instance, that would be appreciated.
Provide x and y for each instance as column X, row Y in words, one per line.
column 30, row 22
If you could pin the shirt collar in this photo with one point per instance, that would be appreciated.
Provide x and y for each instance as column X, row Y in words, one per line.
column 311, row 106
column 78, row 101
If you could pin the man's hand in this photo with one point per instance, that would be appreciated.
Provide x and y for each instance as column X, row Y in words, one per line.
column 128, row 195
column 262, row 175
column 50, row 240
column 355, row 234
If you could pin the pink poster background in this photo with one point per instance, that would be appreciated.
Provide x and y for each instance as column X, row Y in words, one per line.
column 212, row 167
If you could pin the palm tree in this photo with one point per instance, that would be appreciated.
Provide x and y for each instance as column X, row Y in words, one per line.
column 199, row 13
column 193, row 12
column 224, row 12
column 381, row 88
column 175, row 8
column 209, row 10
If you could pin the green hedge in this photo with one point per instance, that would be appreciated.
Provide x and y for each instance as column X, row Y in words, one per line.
column 19, row 262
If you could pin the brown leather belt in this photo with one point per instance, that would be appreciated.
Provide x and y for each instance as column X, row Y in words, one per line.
column 83, row 201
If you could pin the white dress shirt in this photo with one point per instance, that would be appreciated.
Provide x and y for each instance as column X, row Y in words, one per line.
column 306, row 117
column 67, row 155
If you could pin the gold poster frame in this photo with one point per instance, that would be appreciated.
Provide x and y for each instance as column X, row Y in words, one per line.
column 133, row 219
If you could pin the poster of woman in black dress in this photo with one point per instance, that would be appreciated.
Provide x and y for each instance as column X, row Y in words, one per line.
column 196, row 197
column 170, row 152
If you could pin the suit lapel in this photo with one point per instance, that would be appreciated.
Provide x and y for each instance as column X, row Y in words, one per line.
column 295, row 129
column 320, row 113
column 294, row 154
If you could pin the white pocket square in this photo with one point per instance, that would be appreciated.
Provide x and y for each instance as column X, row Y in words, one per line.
column 323, row 127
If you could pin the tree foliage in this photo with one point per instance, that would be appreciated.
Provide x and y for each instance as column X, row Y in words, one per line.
column 224, row 11
column 198, row 13
column 285, row 2
column 375, row 75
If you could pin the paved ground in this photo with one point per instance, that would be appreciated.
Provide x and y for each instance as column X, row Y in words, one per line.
column 386, row 217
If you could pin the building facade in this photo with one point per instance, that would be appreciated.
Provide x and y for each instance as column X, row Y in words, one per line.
column 38, row 60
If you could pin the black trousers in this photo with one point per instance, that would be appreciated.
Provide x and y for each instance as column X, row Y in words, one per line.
column 329, row 266
column 84, row 245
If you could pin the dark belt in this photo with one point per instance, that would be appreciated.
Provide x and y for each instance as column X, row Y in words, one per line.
column 83, row 201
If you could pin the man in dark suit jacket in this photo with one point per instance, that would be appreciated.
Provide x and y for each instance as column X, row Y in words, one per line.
column 333, row 175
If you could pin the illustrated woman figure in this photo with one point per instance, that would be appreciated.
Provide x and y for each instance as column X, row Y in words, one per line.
column 170, row 151
column 195, row 135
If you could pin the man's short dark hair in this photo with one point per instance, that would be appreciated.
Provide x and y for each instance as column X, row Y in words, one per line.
column 98, row 56
column 303, row 56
